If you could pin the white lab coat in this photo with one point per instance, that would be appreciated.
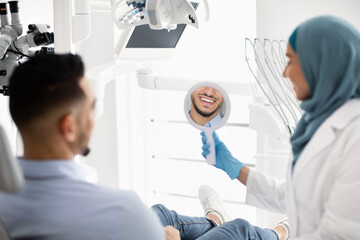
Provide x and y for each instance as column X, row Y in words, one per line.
column 321, row 195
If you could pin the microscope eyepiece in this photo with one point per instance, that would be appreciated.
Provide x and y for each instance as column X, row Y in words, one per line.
column 3, row 10
column 13, row 6
column 32, row 27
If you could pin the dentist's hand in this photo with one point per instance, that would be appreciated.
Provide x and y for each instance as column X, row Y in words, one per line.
column 224, row 159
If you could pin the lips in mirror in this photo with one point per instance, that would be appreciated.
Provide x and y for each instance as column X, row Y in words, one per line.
column 206, row 103
column 207, row 108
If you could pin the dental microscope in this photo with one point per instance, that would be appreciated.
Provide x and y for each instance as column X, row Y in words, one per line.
column 15, row 48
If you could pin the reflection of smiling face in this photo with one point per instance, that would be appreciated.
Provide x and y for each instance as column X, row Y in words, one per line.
column 207, row 101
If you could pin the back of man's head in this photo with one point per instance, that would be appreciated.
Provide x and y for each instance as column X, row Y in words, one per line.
column 45, row 86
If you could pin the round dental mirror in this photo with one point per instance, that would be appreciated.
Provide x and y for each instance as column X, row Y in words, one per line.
column 207, row 108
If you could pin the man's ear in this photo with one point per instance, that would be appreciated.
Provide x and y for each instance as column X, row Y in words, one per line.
column 68, row 128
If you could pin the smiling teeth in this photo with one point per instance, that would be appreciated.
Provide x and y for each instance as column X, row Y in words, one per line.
column 207, row 100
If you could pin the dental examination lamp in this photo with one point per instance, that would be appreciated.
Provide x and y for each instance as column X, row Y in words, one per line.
column 158, row 14
column 14, row 47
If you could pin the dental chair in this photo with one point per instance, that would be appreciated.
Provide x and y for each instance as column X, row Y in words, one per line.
column 11, row 178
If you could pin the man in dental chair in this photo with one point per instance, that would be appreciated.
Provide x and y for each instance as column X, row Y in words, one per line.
column 52, row 105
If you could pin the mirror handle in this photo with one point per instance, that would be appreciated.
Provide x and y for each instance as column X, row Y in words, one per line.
column 211, row 157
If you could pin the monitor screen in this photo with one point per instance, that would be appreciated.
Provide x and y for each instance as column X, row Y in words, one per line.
column 144, row 37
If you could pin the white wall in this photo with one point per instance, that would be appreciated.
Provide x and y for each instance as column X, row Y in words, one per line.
column 36, row 11
column 216, row 50
column 277, row 19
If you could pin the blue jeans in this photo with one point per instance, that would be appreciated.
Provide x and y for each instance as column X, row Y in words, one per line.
column 202, row 228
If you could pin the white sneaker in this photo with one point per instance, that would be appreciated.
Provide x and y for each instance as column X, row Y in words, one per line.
column 212, row 204
column 285, row 224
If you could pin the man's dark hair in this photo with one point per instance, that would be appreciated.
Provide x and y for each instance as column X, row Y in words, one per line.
column 43, row 84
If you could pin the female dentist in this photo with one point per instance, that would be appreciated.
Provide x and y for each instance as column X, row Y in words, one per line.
column 321, row 195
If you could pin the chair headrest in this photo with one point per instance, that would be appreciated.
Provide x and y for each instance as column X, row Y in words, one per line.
column 11, row 177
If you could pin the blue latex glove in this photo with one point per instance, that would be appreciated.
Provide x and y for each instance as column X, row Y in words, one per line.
column 224, row 159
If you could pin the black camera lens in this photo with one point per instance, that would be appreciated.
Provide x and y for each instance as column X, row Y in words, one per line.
column 43, row 38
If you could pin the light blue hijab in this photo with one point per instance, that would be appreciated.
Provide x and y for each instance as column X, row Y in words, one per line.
column 328, row 49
